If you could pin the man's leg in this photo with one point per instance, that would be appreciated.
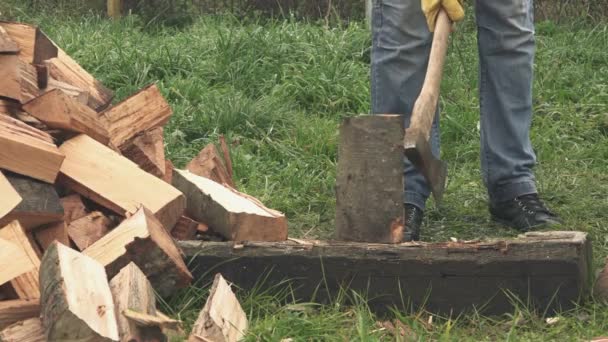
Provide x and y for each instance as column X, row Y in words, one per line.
column 400, row 51
column 506, row 57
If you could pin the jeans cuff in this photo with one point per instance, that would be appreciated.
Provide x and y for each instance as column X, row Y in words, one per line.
column 416, row 199
column 510, row 191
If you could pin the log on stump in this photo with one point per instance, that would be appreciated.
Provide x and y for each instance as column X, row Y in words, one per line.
column 87, row 230
column 35, row 47
column 148, row 151
column 235, row 215
column 114, row 182
column 549, row 270
column 26, row 154
column 58, row 110
column 30, row 330
column 369, row 180
column 26, row 285
column 7, row 44
column 142, row 111
column 10, row 197
column 143, row 240
column 131, row 290
column 222, row 318
column 19, row 79
column 40, row 204
column 12, row 311
column 210, row 165
column 45, row 235
column 76, row 301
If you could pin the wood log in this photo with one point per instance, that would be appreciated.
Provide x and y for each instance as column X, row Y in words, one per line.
column 131, row 290
column 7, row 44
column 100, row 174
column 369, row 180
column 228, row 212
column 80, row 95
column 30, row 330
column 210, row 165
column 142, row 111
column 10, row 197
column 19, row 79
column 49, row 233
column 76, row 301
column 549, row 270
column 58, row 110
column 35, row 47
column 73, row 208
column 85, row 231
column 14, row 261
column 143, row 240
column 25, row 285
column 22, row 125
column 40, row 204
column 159, row 320
column 148, row 151
column 185, row 229
column 168, row 177
column 12, row 311
column 26, row 154
column 222, row 318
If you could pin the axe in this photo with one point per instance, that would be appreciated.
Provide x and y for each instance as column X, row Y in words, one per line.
column 416, row 139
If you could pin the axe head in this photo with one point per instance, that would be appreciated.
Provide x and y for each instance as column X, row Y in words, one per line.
column 418, row 151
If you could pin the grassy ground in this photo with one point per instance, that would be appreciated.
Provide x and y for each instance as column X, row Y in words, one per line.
column 278, row 91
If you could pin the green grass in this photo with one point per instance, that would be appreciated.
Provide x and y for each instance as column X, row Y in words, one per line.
column 278, row 90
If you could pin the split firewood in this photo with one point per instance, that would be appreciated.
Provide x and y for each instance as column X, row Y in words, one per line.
column 14, row 261
column 114, row 182
column 209, row 164
column 63, row 68
column 142, row 111
column 168, row 177
column 87, row 230
column 19, row 79
column 9, row 107
column 58, row 231
column 73, row 208
column 34, row 45
column 40, row 204
column 131, row 290
column 42, row 75
column 25, row 285
column 148, row 151
column 230, row 213
column 12, row 311
column 142, row 239
column 159, row 320
column 76, row 301
column 7, row 44
column 222, row 318
column 185, row 229
column 58, row 110
column 30, row 330
column 27, row 153
column 80, row 95
column 9, row 199
column 24, row 123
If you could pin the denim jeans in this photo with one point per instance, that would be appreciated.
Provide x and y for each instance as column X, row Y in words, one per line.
column 401, row 43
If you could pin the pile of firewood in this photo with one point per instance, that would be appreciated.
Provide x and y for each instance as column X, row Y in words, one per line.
column 90, row 210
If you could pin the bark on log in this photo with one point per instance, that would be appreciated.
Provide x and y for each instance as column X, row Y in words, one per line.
column 549, row 270
column 369, row 180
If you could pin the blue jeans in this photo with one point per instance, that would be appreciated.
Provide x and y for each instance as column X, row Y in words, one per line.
column 505, row 29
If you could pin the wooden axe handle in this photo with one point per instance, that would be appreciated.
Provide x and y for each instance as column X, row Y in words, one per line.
column 426, row 104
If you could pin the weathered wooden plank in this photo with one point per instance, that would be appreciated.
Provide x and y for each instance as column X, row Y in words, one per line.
column 369, row 180
column 550, row 270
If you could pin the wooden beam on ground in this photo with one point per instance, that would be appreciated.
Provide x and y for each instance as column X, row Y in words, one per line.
column 30, row 330
column 25, row 285
column 26, row 154
column 58, row 110
column 100, row 174
column 85, row 231
column 222, row 318
column 76, row 301
column 19, row 79
column 550, row 270
column 40, row 204
column 63, row 68
column 7, row 44
column 209, row 164
column 234, row 215
column 12, row 311
column 148, row 151
column 47, row 234
column 35, row 47
column 10, row 197
column 369, row 180
column 142, row 111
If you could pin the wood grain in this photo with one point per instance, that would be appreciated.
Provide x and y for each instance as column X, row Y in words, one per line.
column 25, row 285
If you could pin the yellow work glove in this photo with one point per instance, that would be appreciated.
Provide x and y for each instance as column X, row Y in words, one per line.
column 453, row 8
